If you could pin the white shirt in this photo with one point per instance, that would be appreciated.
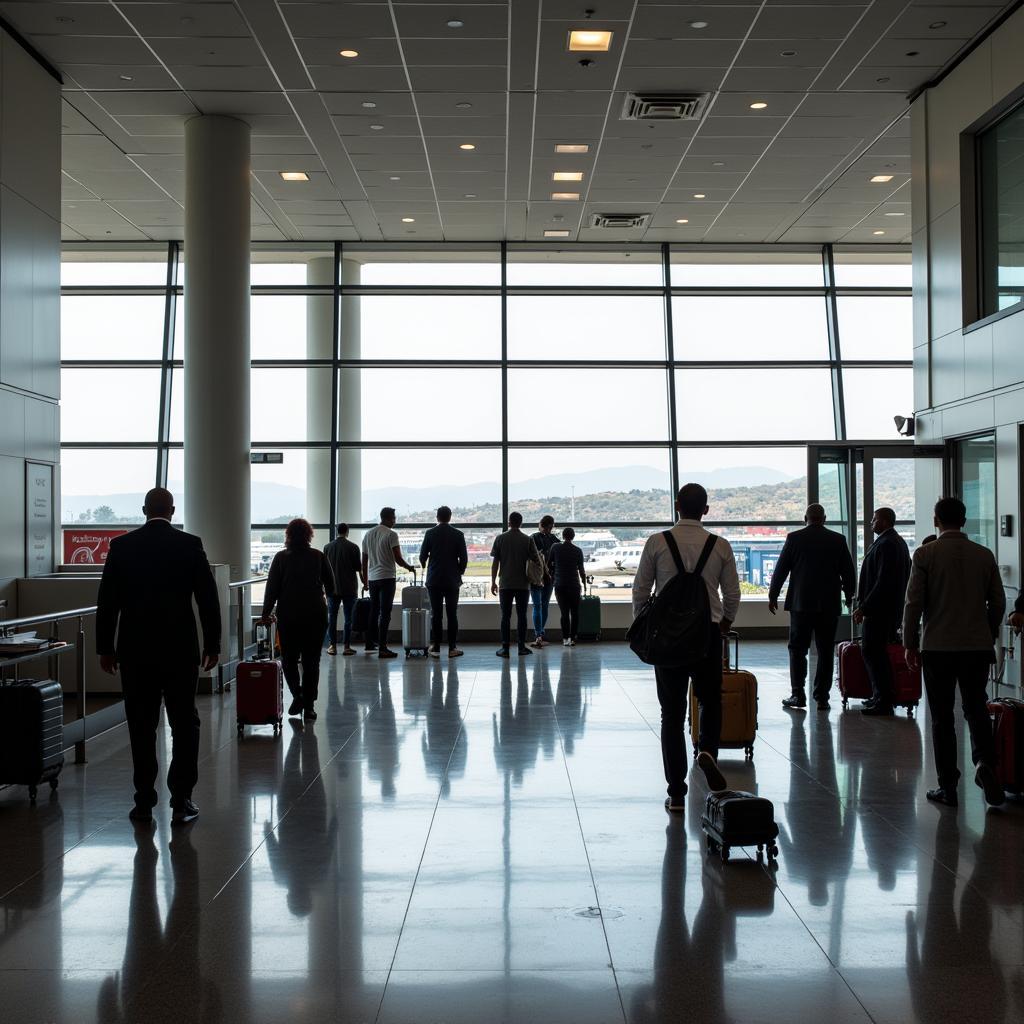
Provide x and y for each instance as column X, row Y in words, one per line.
column 658, row 567
column 378, row 546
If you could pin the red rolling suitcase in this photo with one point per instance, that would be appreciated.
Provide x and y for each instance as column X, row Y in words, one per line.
column 259, row 688
column 853, row 676
column 1008, row 724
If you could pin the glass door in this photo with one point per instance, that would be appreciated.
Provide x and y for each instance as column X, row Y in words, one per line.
column 973, row 465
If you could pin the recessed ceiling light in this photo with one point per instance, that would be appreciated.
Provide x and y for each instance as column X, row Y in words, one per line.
column 348, row 53
column 878, row 232
column 455, row 23
column 395, row 177
column 913, row 53
column 880, row 179
column 788, row 53
column 698, row 24
column 376, row 127
column 127, row 78
column 585, row 40
column 699, row 195
column 64, row 20
column 718, row 163
column 294, row 175
column 467, row 146
column 567, row 176
column 882, row 80
column 556, row 233
column 463, row 105
column 682, row 220
column 758, row 105
column 408, row 220
column 369, row 104
column 937, row 24
column 896, row 214
column 469, row 195
column 565, row 147
column 570, row 196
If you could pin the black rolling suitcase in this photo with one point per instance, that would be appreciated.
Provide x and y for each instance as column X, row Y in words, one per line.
column 31, row 733
column 360, row 619
column 733, row 818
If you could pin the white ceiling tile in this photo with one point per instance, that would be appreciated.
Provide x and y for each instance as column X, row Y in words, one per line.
column 185, row 19
column 117, row 76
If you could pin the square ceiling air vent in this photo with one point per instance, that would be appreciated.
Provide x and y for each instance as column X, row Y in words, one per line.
column 619, row 220
column 664, row 106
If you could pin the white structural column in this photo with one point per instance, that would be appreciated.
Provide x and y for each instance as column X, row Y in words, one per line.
column 319, row 345
column 350, row 421
column 217, row 236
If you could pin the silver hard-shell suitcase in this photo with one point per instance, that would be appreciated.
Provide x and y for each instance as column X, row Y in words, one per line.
column 415, row 595
column 415, row 630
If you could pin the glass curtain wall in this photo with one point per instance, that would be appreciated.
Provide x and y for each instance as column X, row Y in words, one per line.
column 585, row 383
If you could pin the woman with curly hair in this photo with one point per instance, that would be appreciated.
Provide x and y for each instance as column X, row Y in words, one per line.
column 299, row 578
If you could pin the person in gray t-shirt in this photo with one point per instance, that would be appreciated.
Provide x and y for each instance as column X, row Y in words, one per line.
column 509, row 555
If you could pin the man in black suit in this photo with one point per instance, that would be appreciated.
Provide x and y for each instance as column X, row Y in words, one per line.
column 443, row 552
column 145, row 596
column 881, row 593
column 818, row 564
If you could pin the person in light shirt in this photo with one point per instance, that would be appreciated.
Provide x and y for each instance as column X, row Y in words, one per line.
column 655, row 570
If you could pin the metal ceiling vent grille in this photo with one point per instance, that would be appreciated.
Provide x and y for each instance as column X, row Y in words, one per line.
column 664, row 106
column 619, row 220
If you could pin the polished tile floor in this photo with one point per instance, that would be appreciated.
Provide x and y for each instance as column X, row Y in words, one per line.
column 484, row 841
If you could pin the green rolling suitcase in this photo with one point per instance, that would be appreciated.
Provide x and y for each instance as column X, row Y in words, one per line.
column 590, row 615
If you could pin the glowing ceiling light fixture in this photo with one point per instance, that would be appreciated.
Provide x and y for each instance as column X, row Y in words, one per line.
column 574, row 147
column 566, row 196
column 348, row 53
column 682, row 220
column 556, row 233
column 585, row 40
column 759, row 105
column 881, row 179
column 699, row 195
column 567, row 176
column 878, row 232
column 294, row 175
column 408, row 220
column 467, row 146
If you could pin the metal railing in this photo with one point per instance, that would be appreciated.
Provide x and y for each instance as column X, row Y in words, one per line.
column 241, row 629
column 10, row 626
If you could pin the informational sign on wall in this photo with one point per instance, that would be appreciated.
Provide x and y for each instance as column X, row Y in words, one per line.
column 38, row 519
column 89, row 545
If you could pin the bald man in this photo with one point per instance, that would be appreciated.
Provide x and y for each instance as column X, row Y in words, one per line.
column 818, row 564
column 149, row 580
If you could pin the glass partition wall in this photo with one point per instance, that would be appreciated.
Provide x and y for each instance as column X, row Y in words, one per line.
column 587, row 383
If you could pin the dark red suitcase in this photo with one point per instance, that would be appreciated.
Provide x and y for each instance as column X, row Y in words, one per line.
column 259, row 690
column 854, row 682
column 1008, row 726
column 906, row 685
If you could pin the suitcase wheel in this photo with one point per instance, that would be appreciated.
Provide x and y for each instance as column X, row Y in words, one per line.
column 240, row 729
column 407, row 652
column 54, row 782
column 748, row 752
column 32, row 794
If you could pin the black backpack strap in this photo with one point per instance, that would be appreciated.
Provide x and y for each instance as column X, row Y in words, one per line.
column 673, row 549
column 709, row 546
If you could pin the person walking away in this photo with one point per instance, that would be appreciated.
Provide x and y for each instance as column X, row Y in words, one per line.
column 443, row 553
column 544, row 540
column 657, row 566
column 880, row 595
column 565, row 563
column 346, row 564
column 382, row 554
column 817, row 562
column 300, row 577
column 509, row 555
column 145, row 597
column 955, row 586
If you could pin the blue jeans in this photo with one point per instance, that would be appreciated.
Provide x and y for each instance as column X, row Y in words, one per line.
column 334, row 604
column 541, row 599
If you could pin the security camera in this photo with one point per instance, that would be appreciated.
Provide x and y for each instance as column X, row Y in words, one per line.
column 904, row 425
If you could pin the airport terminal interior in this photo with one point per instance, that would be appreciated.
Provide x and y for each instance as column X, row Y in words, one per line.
column 555, row 257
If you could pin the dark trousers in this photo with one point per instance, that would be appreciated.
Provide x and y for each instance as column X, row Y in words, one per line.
column 673, row 691
column 444, row 598
column 334, row 605
column 301, row 641
column 878, row 634
column 521, row 599
column 568, row 599
column 943, row 671
column 144, row 687
column 382, row 599
column 803, row 626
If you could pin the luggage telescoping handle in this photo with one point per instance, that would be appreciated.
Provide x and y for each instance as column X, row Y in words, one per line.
column 268, row 629
column 590, row 583
column 732, row 638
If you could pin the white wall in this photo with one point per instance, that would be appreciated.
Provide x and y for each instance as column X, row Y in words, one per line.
column 29, row 288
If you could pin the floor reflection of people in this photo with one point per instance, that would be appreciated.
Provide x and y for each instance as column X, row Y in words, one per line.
column 687, row 965
column 444, row 741
column 541, row 704
column 380, row 736
column 570, row 711
column 954, row 948
column 300, row 847
column 817, row 836
column 161, row 961
column 515, row 746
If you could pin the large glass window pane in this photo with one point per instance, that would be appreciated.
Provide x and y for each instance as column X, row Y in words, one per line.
column 277, row 326
column 109, row 404
column 176, row 482
column 976, row 474
column 747, row 484
column 105, row 485
column 431, row 268
column 749, row 327
column 754, row 404
column 756, row 270
column 415, row 481
column 872, row 270
column 1001, row 186
column 586, row 327
column 422, row 326
column 111, row 326
column 894, row 487
column 299, row 485
column 281, row 400
column 587, row 405
column 873, row 397
column 756, row 550
column 443, row 404
column 558, row 267
column 293, row 266
column 876, row 327
column 114, row 268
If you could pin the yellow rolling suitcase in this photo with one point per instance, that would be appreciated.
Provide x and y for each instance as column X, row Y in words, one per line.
column 739, row 703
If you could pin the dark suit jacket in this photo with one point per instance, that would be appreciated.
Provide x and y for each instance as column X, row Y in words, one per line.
column 145, row 596
column 444, row 553
column 818, row 564
column 882, row 589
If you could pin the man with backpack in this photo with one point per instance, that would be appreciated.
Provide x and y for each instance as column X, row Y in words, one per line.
column 699, row 608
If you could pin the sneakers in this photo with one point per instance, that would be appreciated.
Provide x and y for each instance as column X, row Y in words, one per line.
column 572, row 642
column 523, row 649
column 538, row 641
column 454, row 652
column 707, row 764
column 795, row 701
column 348, row 650
column 385, row 653
column 184, row 813
column 878, row 711
column 943, row 796
column 677, row 806
column 567, row 642
column 331, row 649
column 370, row 648
column 295, row 708
column 986, row 779
column 435, row 651
column 309, row 715
column 502, row 652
